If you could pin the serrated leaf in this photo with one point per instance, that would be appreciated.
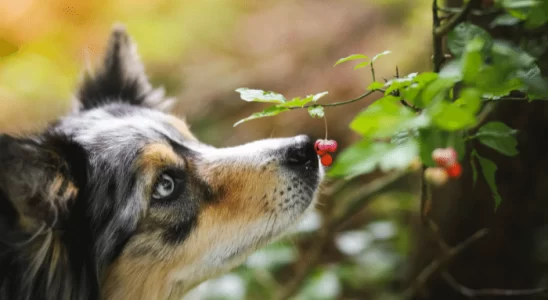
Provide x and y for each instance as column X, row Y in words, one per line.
column 351, row 57
column 300, row 102
column 365, row 156
column 498, row 136
column 385, row 117
column 254, row 95
column 269, row 112
column 488, row 169
column 380, row 55
column 396, row 84
column 361, row 65
column 316, row 111
column 459, row 37
column 375, row 86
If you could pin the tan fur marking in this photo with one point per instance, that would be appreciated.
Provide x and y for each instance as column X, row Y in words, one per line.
column 182, row 127
column 158, row 155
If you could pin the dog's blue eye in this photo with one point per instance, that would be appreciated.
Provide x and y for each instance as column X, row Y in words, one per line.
column 164, row 187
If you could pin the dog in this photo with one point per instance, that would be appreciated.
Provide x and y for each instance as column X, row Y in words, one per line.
column 119, row 200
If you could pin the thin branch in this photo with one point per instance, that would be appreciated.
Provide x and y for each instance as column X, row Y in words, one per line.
column 471, row 293
column 437, row 42
column 441, row 262
column 360, row 97
column 441, row 31
column 474, row 12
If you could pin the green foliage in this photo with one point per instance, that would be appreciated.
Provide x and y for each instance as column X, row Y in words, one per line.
column 498, row 136
column 488, row 169
column 253, row 95
column 350, row 58
column 366, row 155
column 421, row 112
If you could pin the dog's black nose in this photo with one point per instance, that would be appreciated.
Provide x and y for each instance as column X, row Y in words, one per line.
column 302, row 152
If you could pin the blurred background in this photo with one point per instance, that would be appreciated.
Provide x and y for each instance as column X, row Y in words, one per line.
column 201, row 51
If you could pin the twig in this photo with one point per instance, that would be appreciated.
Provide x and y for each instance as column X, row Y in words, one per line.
column 441, row 31
column 372, row 71
column 360, row 97
column 437, row 43
column 471, row 293
column 441, row 262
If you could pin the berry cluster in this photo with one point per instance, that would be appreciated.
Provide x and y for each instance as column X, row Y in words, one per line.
column 322, row 148
column 448, row 166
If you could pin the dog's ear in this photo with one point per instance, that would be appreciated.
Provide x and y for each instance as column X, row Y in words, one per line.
column 39, row 180
column 120, row 78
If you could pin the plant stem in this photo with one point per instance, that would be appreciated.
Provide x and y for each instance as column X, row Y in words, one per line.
column 360, row 97
column 325, row 123
column 441, row 31
column 372, row 71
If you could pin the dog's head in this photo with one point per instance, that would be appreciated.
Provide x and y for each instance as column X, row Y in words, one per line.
column 120, row 199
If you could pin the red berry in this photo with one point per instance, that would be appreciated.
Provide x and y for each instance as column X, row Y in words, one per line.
column 321, row 152
column 326, row 160
column 436, row 176
column 317, row 145
column 444, row 157
column 325, row 145
column 455, row 170
column 331, row 145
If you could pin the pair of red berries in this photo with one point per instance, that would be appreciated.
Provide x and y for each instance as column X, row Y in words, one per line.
column 323, row 148
column 448, row 166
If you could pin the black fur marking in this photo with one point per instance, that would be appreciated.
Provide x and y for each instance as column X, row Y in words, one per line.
column 177, row 233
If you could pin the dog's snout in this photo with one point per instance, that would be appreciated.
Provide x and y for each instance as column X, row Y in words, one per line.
column 302, row 152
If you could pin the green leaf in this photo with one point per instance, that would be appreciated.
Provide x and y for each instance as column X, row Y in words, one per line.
column 535, row 85
column 459, row 37
column 399, row 157
column 380, row 55
column 489, row 168
column 253, row 95
column 361, row 65
column 385, row 117
column 470, row 100
column 269, row 112
column 351, row 57
column 364, row 157
column 316, row 111
column 472, row 60
column 498, row 136
column 375, row 86
column 505, row 20
column 300, row 102
column 451, row 117
column 514, row 4
column 435, row 91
